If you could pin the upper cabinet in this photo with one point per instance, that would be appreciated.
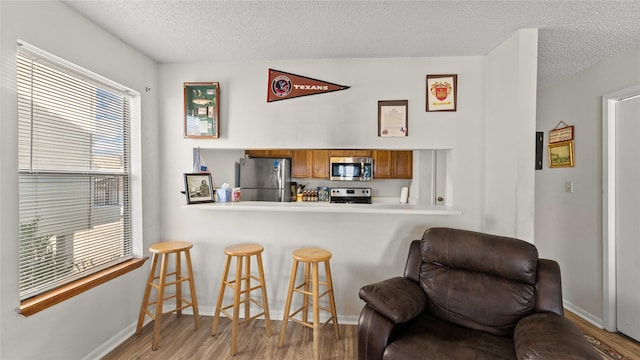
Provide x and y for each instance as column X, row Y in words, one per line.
column 269, row 153
column 305, row 163
column 310, row 164
column 392, row 164
column 301, row 164
column 349, row 153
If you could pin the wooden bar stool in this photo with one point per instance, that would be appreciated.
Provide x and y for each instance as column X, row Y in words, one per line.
column 310, row 257
column 242, row 253
column 164, row 249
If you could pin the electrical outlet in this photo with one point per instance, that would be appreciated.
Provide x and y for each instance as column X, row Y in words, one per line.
column 568, row 186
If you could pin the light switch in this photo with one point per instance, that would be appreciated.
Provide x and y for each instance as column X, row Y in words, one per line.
column 568, row 186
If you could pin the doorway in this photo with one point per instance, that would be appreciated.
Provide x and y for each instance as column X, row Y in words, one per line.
column 621, row 209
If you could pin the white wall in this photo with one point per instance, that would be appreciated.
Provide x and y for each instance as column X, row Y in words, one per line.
column 365, row 248
column 81, row 325
column 568, row 226
column 509, row 136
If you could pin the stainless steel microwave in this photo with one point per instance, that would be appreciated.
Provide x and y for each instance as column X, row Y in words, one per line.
column 351, row 168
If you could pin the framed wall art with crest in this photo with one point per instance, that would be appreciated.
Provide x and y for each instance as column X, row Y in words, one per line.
column 442, row 92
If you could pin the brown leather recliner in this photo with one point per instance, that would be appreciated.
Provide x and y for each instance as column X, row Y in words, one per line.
column 469, row 295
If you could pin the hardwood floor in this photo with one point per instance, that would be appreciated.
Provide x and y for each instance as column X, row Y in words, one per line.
column 179, row 340
column 618, row 343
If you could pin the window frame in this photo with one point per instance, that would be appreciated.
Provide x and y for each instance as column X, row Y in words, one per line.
column 39, row 302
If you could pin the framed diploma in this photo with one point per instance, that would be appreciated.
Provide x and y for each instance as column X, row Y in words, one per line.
column 442, row 92
column 201, row 110
column 393, row 118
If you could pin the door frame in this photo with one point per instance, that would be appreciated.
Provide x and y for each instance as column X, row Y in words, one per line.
column 609, row 296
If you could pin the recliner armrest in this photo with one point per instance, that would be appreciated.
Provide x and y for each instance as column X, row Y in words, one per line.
column 399, row 299
column 550, row 336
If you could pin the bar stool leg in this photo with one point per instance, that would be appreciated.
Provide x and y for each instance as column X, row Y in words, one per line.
column 158, row 317
column 216, row 317
column 265, row 302
column 305, row 294
column 247, row 285
column 178, row 286
column 287, row 305
column 236, row 306
column 192, row 291
column 332, row 301
column 147, row 292
column 316, row 311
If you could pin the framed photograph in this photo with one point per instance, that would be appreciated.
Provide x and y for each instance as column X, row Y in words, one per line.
column 393, row 118
column 198, row 188
column 442, row 92
column 201, row 110
column 561, row 154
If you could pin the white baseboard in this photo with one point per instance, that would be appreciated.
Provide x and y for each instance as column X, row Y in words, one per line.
column 596, row 321
column 113, row 342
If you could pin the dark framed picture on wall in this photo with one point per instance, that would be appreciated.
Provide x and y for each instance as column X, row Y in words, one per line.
column 442, row 92
column 198, row 188
column 201, row 110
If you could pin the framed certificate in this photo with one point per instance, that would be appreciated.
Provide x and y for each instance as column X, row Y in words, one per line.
column 393, row 118
column 201, row 110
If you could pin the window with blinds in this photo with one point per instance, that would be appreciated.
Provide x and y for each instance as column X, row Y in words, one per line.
column 73, row 138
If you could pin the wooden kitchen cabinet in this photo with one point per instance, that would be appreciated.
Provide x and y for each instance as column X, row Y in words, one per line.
column 314, row 163
column 392, row 164
column 268, row 153
column 349, row 153
column 320, row 164
column 310, row 164
column 402, row 167
column 301, row 163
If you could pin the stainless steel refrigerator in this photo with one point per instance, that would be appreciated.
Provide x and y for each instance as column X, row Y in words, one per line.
column 265, row 179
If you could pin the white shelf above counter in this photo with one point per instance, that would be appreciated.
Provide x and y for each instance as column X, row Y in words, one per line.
column 326, row 207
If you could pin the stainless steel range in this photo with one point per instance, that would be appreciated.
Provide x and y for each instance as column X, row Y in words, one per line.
column 350, row 195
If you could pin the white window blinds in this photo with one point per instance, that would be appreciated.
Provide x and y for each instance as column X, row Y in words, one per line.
column 73, row 136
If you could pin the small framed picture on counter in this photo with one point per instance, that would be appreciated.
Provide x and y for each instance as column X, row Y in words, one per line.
column 198, row 188
column 393, row 118
column 201, row 110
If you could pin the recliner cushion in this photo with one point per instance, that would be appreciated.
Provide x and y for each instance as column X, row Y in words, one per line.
column 427, row 338
column 480, row 281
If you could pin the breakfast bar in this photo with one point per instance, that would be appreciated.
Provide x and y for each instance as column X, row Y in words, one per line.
column 383, row 207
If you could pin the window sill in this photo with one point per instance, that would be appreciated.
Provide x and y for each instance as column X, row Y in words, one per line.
column 43, row 301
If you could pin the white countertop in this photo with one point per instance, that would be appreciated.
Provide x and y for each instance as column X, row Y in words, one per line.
column 377, row 207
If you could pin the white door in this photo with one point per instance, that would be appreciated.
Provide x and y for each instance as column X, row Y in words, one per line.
column 627, row 129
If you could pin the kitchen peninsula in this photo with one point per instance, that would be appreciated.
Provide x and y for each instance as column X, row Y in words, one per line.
column 384, row 207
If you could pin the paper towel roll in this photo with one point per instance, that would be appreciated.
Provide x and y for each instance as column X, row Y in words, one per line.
column 404, row 195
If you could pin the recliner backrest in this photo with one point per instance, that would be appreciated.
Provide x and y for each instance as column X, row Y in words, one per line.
column 480, row 281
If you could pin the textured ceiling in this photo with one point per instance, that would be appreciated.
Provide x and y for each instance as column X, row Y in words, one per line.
column 572, row 34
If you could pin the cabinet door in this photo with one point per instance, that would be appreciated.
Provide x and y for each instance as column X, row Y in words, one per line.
column 320, row 161
column 402, row 162
column 381, row 164
column 350, row 153
column 280, row 153
column 301, row 163
column 339, row 152
column 257, row 153
column 361, row 153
